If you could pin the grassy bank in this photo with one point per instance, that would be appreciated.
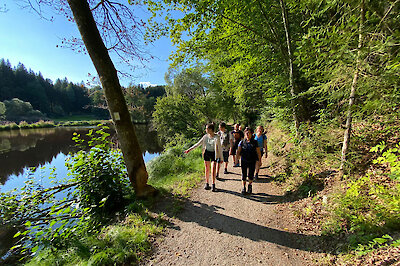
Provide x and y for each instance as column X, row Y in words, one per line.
column 128, row 239
column 50, row 124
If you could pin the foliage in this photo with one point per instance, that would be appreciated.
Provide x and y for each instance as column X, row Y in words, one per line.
column 178, row 114
column 114, row 244
column 174, row 170
column 141, row 101
column 56, row 99
column 54, row 216
column 370, row 206
column 2, row 110
column 17, row 110
column 375, row 243
column 193, row 99
column 390, row 157
column 101, row 173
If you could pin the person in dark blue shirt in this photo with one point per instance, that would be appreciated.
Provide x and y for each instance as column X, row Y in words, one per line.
column 249, row 152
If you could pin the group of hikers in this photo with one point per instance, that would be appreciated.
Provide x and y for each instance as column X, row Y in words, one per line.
column 247, row 147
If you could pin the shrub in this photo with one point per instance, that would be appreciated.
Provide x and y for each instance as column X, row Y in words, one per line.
column 369, row 206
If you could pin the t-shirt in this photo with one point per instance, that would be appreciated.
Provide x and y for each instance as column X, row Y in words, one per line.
column 210, row 143
column 237, row 134
column 249, row 150
column 225, row 140
column 260, row 140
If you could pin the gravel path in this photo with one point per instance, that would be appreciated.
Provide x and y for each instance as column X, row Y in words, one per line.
column 227, row 228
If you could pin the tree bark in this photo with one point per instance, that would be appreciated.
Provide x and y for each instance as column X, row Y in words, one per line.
column 292, row 83
column 115, row 100
column 347, row 133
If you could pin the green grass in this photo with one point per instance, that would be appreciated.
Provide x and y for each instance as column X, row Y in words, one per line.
column 47, row 124
column 126, row 242
column 117, row 244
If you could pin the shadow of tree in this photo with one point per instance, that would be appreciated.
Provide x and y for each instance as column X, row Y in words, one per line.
column 208, row 216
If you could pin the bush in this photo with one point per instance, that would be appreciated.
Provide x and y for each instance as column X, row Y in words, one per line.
column 370, row 206
column 175, row 170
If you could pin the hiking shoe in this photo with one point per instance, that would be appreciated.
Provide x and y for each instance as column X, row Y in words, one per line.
column 256, row 176
column 249, row 189
column 217, row 176
column 207, row 187
column 213, row 188
column 237, row 165
column 243, row 191
column 226, row 171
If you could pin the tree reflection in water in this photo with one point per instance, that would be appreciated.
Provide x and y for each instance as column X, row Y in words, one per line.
column 20, row 149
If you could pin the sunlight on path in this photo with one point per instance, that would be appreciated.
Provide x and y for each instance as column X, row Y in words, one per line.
column 227, row 228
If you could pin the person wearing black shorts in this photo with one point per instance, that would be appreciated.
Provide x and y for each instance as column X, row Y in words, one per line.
column 212, row 151
column 250, row 153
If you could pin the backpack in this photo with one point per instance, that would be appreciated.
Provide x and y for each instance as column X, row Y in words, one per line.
column 226, row 140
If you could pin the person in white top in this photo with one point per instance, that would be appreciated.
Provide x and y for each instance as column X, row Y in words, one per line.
column 212, row 151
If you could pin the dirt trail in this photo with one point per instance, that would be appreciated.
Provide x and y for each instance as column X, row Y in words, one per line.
column 227, row 228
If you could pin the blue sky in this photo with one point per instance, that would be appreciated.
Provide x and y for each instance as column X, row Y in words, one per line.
column 31, row 40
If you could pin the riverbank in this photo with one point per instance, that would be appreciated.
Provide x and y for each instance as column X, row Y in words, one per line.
column 127, row 238
column 50, row 124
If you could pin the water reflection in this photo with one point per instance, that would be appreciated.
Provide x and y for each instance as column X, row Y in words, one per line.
column 20, row 149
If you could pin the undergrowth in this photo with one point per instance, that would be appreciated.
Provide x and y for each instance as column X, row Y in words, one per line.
column 125, row 241
column 362, row 211
column 174, row 171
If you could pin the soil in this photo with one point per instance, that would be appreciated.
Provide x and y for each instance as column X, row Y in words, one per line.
column 228, row 228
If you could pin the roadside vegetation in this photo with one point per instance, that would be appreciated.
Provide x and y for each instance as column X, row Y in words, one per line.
column 93, row 217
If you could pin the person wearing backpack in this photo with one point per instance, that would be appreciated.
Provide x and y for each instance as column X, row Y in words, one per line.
column 227, row 143
column 262, row 144
column 250, row 153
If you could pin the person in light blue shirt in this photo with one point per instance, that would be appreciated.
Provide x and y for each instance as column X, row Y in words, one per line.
column 262, row 144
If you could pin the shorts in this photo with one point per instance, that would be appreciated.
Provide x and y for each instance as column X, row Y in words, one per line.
column 225, row 155
column 262, row 151
column 209, row 156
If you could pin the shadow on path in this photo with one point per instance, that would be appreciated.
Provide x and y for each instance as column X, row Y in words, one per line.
column 208, row 216
column 259, row 197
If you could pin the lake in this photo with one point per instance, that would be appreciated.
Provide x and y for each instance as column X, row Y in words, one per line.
column 49, row 147
column 46, row 148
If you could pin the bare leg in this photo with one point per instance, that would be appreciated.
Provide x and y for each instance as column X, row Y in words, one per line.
column 218, row 167
column 257, row 167
column 207, row 165
column 214, row 168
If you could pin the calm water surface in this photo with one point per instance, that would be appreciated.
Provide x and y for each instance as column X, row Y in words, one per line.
column 49, row 147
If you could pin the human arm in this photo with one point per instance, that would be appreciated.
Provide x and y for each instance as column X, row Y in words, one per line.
column 265, row 147
column 195, row 145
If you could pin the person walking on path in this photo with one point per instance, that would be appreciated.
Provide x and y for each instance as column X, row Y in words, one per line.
column 238, row 135
column 250, row 152
column 211, row 150
column 227, row 143
column 262, row 144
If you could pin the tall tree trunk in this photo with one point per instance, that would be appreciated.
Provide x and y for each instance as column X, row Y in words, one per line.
column 292, row 83
column 347, row 133
column 116, row 102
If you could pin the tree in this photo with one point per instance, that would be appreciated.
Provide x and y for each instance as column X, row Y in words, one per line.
column 243, row 43
column 115, row 100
